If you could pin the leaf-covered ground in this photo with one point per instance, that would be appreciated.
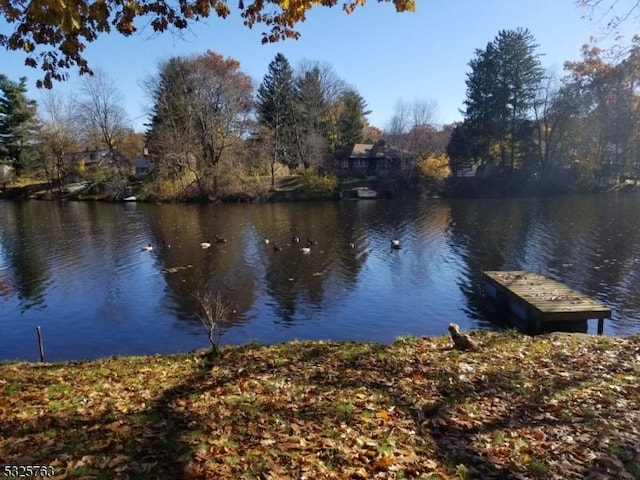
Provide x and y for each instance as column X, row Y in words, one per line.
column 545, row 407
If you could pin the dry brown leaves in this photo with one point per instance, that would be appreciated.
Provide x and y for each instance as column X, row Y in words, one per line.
column 548, row 407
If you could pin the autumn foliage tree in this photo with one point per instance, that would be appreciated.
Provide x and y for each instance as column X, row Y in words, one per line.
column 53, row 34
column 581, row 130
column 606, row 96
column 200, row 113
column 434, row 168
column 221, row 96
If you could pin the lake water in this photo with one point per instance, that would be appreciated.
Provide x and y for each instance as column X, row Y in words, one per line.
column 77, row 269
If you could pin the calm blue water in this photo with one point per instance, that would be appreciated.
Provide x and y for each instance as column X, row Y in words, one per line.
column 78, row 270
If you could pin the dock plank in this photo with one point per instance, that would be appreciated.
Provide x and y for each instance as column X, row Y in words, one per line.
column 545, row 299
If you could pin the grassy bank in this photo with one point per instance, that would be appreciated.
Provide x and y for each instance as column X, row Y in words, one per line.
column 548, row 407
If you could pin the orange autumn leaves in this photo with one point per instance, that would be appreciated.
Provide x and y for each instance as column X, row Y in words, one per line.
column 53, row 34
column 548, row 407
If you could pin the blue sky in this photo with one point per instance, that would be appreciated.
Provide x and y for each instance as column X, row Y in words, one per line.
column 387, row 56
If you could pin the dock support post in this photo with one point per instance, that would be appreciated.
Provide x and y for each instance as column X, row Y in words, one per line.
column 600, row 326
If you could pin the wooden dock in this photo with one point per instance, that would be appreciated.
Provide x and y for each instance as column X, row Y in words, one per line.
column 534, row 297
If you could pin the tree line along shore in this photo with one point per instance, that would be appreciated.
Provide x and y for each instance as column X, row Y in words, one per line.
column 212, row 136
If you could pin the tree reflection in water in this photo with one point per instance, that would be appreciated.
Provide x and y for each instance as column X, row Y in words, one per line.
column 77, row 268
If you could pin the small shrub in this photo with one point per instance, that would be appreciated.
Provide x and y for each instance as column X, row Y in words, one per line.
column 434, row 167
column 314, row 182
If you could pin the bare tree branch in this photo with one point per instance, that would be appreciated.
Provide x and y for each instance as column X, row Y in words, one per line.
column 214, row 312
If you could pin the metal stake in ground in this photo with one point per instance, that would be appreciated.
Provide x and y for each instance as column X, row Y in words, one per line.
column 40, row 344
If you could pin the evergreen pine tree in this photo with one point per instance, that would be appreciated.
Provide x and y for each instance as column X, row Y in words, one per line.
column 352, row 119
column 311, row 115
column 17, row 124
column 501, row 89
column 276, row 111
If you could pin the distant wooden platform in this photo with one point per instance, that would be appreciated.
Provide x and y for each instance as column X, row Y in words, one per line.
column 532, row 296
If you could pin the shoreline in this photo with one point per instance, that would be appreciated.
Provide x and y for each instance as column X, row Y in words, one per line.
column 510, row 331
column 455, row 188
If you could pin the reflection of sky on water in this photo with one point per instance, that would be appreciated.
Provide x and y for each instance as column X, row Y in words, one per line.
column 79, row 271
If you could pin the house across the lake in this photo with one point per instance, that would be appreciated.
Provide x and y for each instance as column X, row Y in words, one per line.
column 143, row 166
column 95, row 159
column 379, row 159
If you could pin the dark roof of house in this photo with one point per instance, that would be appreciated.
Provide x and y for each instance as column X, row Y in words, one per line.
column 97, row 157
column 361, row 150
column 380, row 149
